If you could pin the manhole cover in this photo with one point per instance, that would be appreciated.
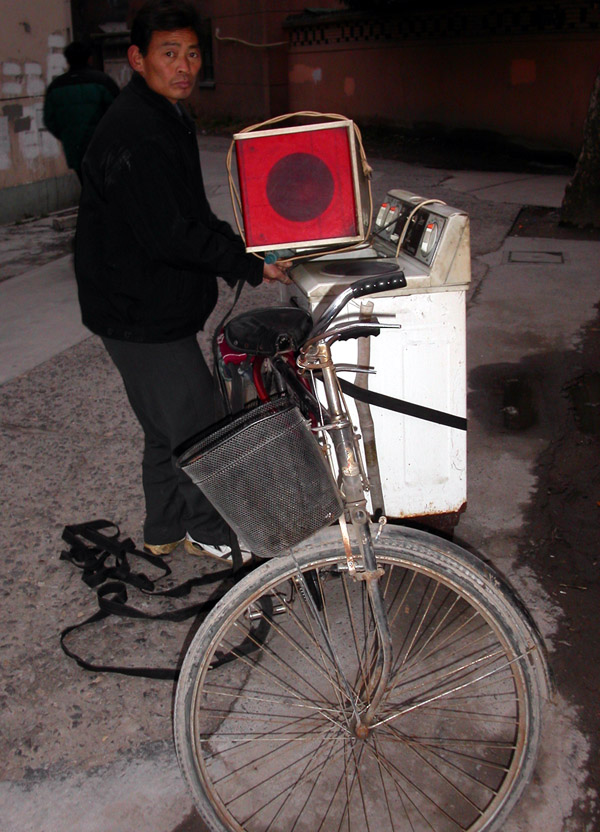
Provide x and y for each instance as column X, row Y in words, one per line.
column 536, row 257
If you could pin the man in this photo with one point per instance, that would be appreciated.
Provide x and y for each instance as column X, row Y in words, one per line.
column 75, row 102
column 148, row 251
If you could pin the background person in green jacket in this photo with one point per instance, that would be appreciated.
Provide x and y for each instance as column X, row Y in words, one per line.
column 76, row 101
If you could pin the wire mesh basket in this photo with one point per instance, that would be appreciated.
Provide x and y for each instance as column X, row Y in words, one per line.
column 265, row 474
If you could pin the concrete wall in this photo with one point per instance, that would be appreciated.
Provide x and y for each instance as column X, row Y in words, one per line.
column 514, row 75
column 250, row 58
column 33, row 175
column 522, row 69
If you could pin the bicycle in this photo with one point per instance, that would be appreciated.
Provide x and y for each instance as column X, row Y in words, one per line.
column 372, row 677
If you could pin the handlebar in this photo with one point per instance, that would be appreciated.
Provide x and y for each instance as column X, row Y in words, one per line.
column 358, row 289
column 376, row 285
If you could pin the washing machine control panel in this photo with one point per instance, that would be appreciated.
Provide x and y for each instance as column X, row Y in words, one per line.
column 428, row 240
column 412, row 225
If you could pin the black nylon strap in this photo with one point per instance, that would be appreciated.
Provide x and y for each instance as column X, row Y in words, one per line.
column 147, row 672
column 92, row 560
column 112, row 600
column 399, row 406
column 105, row 566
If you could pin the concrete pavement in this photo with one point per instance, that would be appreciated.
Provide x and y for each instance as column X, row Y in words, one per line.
column 85, row 752
column 39, row 317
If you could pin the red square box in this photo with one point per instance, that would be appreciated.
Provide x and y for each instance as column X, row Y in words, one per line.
column 299, row 186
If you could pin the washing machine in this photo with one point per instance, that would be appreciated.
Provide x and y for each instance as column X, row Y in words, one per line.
column 421, row 464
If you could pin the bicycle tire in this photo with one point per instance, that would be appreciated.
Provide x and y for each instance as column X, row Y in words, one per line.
column 266, row 744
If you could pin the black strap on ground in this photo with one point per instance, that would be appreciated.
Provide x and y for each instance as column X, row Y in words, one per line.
column 103, row 558
column 399, row 406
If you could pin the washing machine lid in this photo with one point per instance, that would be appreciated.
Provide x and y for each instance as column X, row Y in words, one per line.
column 360, row 268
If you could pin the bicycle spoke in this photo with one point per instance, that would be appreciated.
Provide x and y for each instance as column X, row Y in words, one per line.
column 383, row 786
column 424, row 703
column 340, row 687
column 434, row 676
column 285, row 792
column 335, row 792
column 264, row 757
column 443, row 745
column 404, row 798
column 356, row 778
column 296, row 693
column 309, row 659
column 329, row 643
column 437, row 762
column 310, row 794
column 403, row 781
column 249, row 738
column 280, row 662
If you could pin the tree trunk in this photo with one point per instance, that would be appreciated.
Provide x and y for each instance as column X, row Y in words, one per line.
column 581, row 202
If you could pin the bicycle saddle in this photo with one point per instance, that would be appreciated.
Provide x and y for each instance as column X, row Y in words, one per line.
column 268, row 331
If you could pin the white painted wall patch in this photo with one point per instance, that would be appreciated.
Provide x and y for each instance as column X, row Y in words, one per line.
column 12, row 88
column 5, row 160
column 11, row 68
column 56, row 41
column 29, row 140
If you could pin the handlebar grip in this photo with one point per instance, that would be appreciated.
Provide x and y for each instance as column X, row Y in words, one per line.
column 376, row 285
column 362, row 332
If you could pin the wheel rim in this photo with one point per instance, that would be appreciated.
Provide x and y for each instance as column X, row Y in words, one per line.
column 273, row 734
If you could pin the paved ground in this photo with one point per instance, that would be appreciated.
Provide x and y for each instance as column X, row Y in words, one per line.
column 87, row 752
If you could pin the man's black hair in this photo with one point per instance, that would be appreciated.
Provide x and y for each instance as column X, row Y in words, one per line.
column 77, row 54
column 162, row 16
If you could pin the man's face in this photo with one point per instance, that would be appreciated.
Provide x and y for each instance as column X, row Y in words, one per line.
column 171, row 63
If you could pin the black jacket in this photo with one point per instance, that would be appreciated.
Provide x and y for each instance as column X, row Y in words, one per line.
column 148, row 248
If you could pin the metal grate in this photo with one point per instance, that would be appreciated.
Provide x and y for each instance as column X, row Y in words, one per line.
column 470, row 20
column 556, row 257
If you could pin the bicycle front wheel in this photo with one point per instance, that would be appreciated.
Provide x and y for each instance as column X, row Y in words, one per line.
column 276, row 680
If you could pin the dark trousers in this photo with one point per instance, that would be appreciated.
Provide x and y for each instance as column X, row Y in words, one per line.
column 171, row 391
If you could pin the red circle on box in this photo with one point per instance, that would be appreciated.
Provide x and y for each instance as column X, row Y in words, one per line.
column 300, row 187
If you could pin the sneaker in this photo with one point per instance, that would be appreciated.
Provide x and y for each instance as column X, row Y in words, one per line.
column 159, row 549
column 222, row 553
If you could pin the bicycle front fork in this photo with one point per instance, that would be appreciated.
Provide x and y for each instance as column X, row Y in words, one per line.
column 351, row 471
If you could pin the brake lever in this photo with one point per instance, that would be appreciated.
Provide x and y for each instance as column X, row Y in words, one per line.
column 346, row 331
column 355, row 368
